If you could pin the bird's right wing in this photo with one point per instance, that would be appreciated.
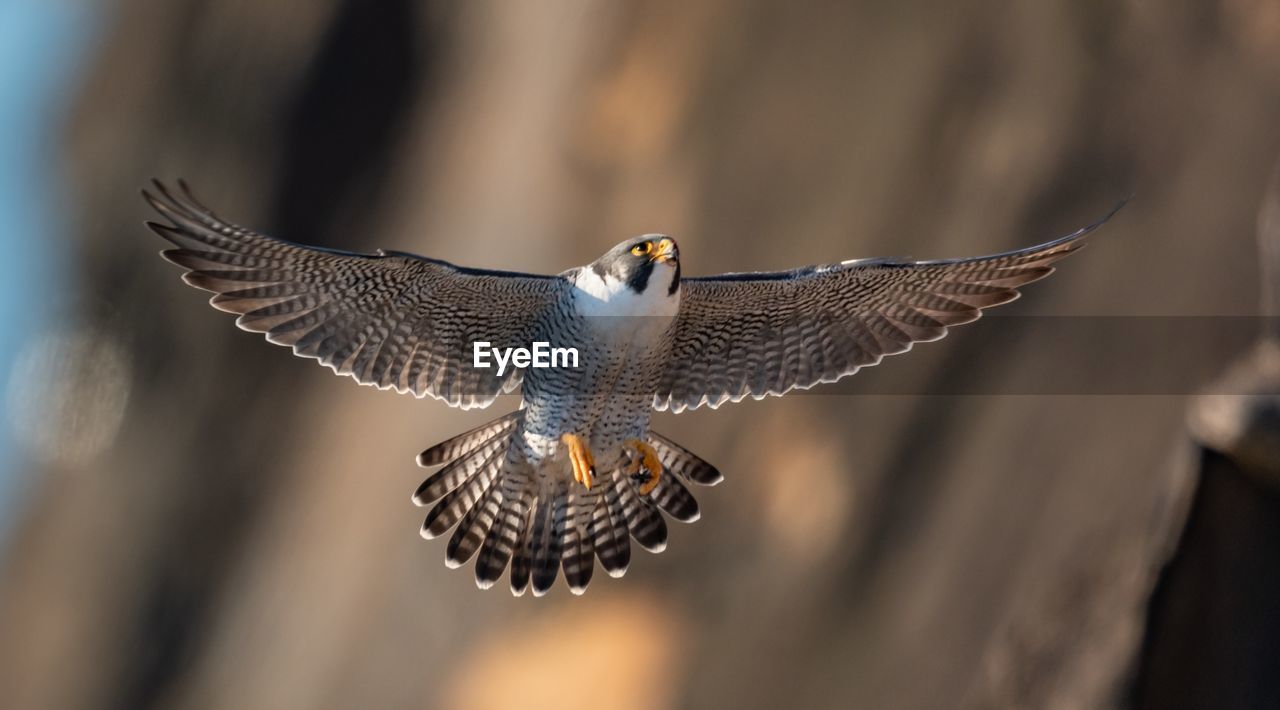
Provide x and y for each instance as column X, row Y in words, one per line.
column 390, row 320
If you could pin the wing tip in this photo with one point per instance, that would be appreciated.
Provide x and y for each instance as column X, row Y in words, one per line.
column 1072, row 239
column 165, row 231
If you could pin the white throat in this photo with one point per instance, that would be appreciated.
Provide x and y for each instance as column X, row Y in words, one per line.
column 614, row 306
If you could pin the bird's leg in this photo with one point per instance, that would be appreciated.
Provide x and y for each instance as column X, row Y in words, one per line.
column 584, row 464
column 645, row 467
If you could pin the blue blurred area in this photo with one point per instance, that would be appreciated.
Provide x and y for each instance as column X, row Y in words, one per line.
column 42, row 45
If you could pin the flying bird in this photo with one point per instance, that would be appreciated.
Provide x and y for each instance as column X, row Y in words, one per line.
column 576, row 472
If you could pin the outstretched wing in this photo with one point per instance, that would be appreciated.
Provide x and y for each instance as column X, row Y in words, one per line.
column 760, row 334
column 390, row 320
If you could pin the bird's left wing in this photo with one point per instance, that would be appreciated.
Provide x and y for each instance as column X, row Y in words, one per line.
column 760, row 334
column 391, row 320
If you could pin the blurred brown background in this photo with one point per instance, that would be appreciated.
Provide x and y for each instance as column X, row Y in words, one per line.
column 208, row 522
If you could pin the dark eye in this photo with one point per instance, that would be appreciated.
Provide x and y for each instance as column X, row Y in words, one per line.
column 642, row 248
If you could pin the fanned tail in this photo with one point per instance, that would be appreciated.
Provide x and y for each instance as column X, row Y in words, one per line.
column 507, row 514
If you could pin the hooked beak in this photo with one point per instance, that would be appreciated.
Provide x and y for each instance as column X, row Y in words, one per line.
column 665, row 251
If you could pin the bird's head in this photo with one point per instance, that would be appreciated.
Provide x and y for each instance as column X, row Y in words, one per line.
column 648, row 261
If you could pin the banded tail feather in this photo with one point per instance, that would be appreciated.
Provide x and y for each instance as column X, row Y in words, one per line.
column 504, row 514
column 684, row 463
column 455, row 504
column 578, row 558
column 468, row 441
column 501, row 541
column 609, row 528
column 549, row 546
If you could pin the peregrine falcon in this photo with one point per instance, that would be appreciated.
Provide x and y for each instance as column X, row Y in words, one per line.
column 576, row 472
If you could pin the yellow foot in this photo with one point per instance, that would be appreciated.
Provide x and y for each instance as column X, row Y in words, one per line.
column 584, row 464
column 645, row 468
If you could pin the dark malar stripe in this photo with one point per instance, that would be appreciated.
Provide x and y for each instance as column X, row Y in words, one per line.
column 639, row 280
